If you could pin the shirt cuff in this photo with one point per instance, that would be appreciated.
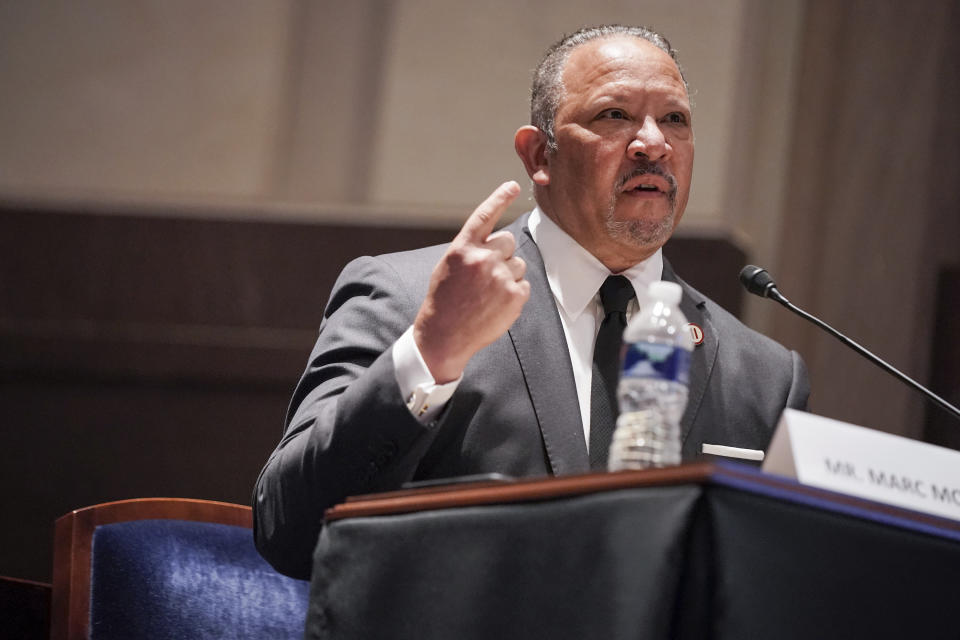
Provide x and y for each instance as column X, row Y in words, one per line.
column 423, row 396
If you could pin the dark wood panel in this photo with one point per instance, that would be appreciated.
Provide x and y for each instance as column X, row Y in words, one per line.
column 70, row 444
column 157, row 270
column 942, row 428
column 24, row 609
column 163, row 297
column 712, row 264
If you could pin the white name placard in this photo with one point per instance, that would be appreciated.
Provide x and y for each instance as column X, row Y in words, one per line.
column 863, row 462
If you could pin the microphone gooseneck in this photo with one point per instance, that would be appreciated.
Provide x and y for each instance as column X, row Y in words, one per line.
column 757, row 281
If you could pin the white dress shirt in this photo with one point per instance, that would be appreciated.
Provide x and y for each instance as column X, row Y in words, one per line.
column 575, row 277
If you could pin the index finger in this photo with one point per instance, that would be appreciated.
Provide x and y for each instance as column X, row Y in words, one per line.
column 484, row 218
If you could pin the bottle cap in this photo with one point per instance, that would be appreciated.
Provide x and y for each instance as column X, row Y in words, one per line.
column 668, row 292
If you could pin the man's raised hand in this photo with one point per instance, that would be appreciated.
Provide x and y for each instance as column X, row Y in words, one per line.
column 476, row 291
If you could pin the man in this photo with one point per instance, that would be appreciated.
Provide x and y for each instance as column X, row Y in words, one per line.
column 477, row 356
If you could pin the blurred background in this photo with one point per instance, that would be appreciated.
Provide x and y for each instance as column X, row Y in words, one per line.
column 181, row 181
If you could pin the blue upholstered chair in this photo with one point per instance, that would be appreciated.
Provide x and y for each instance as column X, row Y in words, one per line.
column 168, row 568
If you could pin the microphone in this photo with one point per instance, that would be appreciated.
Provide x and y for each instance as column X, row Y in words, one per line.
column 757, row 281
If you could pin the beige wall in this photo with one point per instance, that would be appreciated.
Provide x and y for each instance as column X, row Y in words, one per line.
column 147, row 99
column 381, row 105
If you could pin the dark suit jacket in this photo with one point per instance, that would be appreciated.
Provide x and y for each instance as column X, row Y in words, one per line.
column 515, row 411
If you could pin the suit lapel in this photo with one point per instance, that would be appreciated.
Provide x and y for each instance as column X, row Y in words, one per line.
column 693, row 305
column 541, row 348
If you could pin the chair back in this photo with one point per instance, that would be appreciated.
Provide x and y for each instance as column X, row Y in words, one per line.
column 168, row 568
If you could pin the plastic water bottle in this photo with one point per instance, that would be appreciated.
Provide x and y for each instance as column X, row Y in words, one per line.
column 653, row 383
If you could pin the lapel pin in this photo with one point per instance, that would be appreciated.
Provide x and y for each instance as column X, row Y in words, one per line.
column 696, row 333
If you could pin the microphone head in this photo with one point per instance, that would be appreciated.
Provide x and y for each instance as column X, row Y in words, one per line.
column 757, row 281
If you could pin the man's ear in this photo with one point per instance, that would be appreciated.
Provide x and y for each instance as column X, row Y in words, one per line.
column 531, row 146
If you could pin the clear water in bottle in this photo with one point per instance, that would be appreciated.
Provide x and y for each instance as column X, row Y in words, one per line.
column 652, row 393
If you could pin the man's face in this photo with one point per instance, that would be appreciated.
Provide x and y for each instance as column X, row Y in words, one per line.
column 619, row 179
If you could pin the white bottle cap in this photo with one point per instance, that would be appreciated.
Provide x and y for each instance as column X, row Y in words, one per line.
column 668, row 292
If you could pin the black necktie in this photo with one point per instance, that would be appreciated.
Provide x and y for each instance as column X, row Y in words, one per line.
column 615, row 295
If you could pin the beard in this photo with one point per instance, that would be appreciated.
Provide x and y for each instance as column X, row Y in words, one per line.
column 643, row 232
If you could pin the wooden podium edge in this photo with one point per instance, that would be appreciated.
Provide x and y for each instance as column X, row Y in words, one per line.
column 526, row 490
column 731, row 475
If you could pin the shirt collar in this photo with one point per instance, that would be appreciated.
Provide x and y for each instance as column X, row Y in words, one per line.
column 574, row 274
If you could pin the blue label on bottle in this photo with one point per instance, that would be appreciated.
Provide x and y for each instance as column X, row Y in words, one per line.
column 652, row 360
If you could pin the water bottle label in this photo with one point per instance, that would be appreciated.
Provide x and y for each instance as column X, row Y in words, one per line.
column 660, row 361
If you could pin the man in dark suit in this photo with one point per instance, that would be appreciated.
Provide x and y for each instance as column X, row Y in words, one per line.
column 476, row 356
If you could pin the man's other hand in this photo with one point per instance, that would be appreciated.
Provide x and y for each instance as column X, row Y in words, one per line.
column 476, row 291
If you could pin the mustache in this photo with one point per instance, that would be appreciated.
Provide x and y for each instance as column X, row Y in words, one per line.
column 645, row 167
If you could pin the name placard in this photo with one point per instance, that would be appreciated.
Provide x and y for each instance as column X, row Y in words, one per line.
column 863, row 462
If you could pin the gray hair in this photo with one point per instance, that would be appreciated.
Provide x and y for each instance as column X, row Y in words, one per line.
column 547, row 89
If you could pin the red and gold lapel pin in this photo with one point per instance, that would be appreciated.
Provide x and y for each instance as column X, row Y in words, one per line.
column 696, row 333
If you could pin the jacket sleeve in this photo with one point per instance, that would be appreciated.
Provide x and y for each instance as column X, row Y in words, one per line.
column 347, row 430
